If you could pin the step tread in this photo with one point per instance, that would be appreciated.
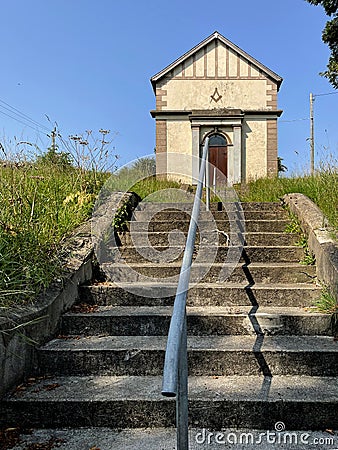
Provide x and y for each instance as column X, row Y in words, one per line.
column 245, row 233
column 290, row 265
column 164, row 438
column 142, row 205
column 202, row 388
column 218, row 220
column 214, row 244
column 226, row 285
column 172, row 214
column 296, row 344
column 237, row 311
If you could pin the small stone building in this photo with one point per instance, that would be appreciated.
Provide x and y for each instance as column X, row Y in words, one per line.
column 217, row 90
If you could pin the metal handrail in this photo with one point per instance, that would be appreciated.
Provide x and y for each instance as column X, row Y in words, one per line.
column 175, row 373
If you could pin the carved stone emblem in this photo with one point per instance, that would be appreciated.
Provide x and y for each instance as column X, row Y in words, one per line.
column 216, row 96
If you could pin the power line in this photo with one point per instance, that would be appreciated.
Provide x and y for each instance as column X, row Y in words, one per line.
column 24, row 123
column 328, row 93
column 294, row 120
column 22, row 120
column 24, row 116
column 21, row 115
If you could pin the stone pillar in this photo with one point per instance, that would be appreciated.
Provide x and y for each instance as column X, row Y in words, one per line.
column 272, row 151
column 237, row 154
column 195, row 129
column 230, row 156
column 161, row 147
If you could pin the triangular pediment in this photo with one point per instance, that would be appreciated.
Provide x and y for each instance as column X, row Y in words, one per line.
column 218, row 58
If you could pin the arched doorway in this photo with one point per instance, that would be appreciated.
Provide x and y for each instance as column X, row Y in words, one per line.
column 218, row 156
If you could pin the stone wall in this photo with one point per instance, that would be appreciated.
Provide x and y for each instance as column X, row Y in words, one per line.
column 321, row 238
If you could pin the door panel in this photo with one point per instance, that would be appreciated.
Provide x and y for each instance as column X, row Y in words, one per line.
column 218, row 157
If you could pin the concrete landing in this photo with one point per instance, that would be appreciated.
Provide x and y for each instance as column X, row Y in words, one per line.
column 165, row 439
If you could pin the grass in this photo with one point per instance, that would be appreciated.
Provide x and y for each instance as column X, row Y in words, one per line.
column 140, row 178
column 41, row 204
column 327, row 304
column 294, row 227
column 321, row 188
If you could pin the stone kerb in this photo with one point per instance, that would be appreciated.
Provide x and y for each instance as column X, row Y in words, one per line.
column 321, row 238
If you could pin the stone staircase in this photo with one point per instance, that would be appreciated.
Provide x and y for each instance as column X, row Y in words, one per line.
column 256, row 355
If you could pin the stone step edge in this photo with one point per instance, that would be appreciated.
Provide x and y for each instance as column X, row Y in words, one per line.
column 290, row 265
column 231, row 311
column 215, row 244
column 247, row 389
column 206, row 285
column 165, row 438
column 203, row 222
column 213, row 205
column 223, row 344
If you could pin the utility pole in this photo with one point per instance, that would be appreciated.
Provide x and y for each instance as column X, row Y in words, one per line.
column 53, row 136
column 312, row 136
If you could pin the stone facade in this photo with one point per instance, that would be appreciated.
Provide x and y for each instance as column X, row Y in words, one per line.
column 217, row 89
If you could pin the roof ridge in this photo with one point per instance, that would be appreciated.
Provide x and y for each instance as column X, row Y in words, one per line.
column 216, row 35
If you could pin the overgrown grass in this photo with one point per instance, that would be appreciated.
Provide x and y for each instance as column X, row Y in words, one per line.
column 140, row 178
column 327, row 303
column 153, row 189
column 40, row 205
column 321, row 188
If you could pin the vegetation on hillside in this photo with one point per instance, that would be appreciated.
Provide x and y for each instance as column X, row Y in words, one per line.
column 43, row 200
column 140, row 177
column 40, row 205
column 321, row 188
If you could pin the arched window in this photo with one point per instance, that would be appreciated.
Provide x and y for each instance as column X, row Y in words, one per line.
column 217, row 140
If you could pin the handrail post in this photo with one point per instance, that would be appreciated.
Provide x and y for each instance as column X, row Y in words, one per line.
column 182, row 393
column 175, row 372
column 207, row 182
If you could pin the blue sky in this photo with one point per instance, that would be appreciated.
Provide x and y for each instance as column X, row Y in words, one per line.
column 86, row 65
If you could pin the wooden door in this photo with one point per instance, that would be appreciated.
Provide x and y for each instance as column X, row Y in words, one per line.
column 218, row 157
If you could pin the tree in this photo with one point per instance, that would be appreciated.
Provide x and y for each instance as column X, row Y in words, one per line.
column 281, row 166
column 330, row 37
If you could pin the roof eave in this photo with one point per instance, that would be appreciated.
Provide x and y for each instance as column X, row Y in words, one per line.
column 177, row 61
column 213, row 36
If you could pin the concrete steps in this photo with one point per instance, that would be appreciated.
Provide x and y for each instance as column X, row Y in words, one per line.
column 216, row 273
column 277, row 226
column 163, row 254
column 254, row 402
column 202, row 294
column 256, row 355
column 154, row 321
column 171, row 214
column 160, row 238
column 214, row 206
column 208, row 356
column 105, row 438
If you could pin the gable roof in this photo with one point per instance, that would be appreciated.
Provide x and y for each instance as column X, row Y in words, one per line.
column 216, row 36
